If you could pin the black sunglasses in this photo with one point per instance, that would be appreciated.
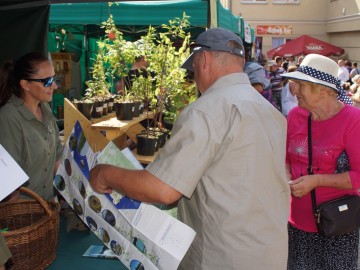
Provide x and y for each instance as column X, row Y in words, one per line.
column 47, row 81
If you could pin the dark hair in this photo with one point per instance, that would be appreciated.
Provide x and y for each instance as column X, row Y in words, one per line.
column 12, row 72
column 285, row 65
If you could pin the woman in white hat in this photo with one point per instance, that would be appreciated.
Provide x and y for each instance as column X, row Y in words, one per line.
column 334, row 125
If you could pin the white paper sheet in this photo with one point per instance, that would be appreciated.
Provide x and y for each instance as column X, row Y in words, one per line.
column 11, row 174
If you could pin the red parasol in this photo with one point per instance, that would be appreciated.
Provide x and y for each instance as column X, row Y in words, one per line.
column 304, row 45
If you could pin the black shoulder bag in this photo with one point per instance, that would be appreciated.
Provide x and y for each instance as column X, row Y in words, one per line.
column 334, row 217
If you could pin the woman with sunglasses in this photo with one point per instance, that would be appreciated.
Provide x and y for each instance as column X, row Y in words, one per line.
column 28, row 128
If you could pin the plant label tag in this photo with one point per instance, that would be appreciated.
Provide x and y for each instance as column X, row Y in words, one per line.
column 343, row 207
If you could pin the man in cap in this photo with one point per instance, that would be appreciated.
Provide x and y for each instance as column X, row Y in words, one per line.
column 224, row 164
column 257, row 76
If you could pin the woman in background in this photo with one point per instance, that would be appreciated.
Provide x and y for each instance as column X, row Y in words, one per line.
column 334, row 125
column 28, row 128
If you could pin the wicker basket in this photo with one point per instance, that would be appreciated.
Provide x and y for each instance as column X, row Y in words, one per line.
column 33, row 231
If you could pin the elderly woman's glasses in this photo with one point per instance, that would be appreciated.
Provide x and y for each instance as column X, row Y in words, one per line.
column 47, row 81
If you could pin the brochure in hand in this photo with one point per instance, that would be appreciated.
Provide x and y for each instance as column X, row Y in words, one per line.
column 140, row 235
column 12, row 175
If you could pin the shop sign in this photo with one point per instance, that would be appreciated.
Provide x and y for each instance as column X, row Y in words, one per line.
column 274, row 29
column 247, row 33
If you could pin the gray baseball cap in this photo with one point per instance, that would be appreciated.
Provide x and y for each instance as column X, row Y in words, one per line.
column 215, row 39
column 256, row 74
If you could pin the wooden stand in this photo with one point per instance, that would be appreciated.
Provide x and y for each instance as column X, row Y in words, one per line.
column 100, row 131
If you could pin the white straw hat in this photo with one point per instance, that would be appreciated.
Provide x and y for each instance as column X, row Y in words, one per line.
column 322, row 70
column 317, row 69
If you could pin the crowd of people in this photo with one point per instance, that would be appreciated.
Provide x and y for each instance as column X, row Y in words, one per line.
column 237, row 161
column 279, row 90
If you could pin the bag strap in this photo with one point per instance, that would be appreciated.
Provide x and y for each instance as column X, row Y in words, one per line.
column 310, row 168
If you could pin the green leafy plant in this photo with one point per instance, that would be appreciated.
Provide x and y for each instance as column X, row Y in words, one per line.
column 98, row 86
column 165, row 61
column 164, row 49
column 120, row 54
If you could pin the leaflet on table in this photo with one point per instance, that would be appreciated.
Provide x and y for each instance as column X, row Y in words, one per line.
column 12, row 174
column 141, row 236
column 96, row 251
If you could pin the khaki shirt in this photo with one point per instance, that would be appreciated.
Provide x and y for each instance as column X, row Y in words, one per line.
column 227, row 156
column 35, row 145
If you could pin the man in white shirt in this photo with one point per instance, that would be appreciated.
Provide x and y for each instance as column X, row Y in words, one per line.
column 343, row 72
column 224, row 164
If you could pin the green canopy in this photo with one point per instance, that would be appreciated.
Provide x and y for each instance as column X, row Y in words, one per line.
column 135, row 16
column 135, row 13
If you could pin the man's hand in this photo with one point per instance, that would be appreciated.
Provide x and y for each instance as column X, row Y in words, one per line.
column 97, row 180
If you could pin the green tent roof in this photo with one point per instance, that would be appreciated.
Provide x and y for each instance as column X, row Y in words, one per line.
column 137, row 14
column 130, row 13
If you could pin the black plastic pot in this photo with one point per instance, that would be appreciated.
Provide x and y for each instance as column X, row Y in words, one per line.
column 160, row 133
column 105, row 108
column 124, row 111
column 136, row 109
column 97, row 111
column 85, row 108
column 110, row 105
column 142, row 107
column 168, row 124
column 146, row 144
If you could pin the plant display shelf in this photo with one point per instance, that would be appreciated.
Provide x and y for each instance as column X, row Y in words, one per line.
column 100, row 131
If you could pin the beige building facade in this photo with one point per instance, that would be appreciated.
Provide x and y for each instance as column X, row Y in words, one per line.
column 277, row 21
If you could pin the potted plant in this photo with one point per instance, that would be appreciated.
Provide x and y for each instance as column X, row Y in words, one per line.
column 177, row 100
column 85, row 106
column 98, row 87
column 120, row 54
column 164, row 60
column 171, row 51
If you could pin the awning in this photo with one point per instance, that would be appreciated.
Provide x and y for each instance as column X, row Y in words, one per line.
column 304, row 45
